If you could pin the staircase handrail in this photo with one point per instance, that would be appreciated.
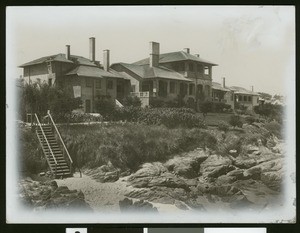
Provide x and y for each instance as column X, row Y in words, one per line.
column 60, row 137
column 39, row 124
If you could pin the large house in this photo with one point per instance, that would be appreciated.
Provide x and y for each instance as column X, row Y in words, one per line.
column 169, row 76
column 84, row 77
column 164, row 77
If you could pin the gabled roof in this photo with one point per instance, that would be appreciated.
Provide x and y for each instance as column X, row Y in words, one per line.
column 175, row 56
column 91, row 71
column 154, row 72
column 218, row 86
column 241, row 90
column 61, row 58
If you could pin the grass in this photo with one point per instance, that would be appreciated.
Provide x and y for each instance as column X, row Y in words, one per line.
column 130, row 145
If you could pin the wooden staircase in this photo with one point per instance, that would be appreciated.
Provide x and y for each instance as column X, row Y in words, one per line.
column 55, row 151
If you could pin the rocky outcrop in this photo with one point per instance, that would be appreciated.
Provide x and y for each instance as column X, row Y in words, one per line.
column 251, row 177
column 127, row 205
column 104, row 174
column 47, row 195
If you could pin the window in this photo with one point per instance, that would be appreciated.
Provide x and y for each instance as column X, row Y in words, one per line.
column 240, row 98
column 172, row 87
column 98, row 84
column 245, row 98
column 88, row 82
column 231, row 97
column 206, row 70
column 132, row 88
column 191, row 89
column 191, row 67
column 249, row 98
column 50, row 81
column 110, row 84
column 199, row 68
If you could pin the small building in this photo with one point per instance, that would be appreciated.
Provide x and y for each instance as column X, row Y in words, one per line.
column 221, row 93
column 169, row 76
column 244, row 97
column 84, row 77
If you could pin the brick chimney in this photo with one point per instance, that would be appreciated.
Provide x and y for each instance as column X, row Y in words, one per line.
column 92, row 49
column 154, row 54
column 68, row 52
column 197, row 55
column 106, row 59
column 252, row 88
column 187, row 50
column 223, row 82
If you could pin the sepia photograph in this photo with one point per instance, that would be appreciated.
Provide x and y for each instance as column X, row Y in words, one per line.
column 150, row 114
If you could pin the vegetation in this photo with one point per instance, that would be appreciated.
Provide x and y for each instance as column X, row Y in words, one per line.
column 235, row 120
column 38, row 98
column 133, row 101
column 129, row 145
column 270, row 111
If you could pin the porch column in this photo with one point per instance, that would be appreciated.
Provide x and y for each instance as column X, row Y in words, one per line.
column 155, row 86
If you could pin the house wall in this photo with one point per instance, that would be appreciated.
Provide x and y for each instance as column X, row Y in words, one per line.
column 240, row 98
column 38, row 74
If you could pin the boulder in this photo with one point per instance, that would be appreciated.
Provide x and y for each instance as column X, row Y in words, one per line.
column 127, row 205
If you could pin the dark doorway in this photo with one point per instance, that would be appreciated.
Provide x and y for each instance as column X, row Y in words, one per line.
column 87, row 106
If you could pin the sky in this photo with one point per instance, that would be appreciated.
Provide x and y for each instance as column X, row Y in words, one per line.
column 253, row 46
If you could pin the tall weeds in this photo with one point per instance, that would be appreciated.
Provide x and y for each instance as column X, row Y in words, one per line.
column 128, row 146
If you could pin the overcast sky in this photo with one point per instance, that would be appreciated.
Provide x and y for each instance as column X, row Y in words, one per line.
column 252, row 45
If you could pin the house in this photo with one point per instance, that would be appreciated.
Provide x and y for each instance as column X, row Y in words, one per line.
column 234, row 96
column 221, row 93
column 84, row 77
column 168, row 76
column 242, row 96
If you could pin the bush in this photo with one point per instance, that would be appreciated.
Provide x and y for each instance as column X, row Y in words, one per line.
column 77, row 117
column 31, row 155
column 105, row 107
column 133, row 101
column 274, row 128
column 271, row 111
column 250, row 120
column 224, row 126
column 235, row 120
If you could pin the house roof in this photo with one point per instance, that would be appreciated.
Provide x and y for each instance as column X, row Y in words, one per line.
column 61, row 58
column 218, row 86
column 175, row 56
column 241, row 90
column 154, row 72
column 91, row 71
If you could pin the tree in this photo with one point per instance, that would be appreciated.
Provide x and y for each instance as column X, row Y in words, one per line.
column 38, row 98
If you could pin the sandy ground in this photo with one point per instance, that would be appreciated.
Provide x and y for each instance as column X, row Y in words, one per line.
column 105, row 196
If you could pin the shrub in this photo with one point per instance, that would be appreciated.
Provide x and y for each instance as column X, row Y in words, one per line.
column 235, row 120
column 250, row 120
column 274, row 128
column 105, row 107
column 224, row 126
column 133, row 101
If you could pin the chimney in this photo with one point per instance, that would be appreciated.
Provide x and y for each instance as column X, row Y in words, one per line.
column 224, row 82
column 92, row 49
column 106, row 59
column 197, row 55
column 154, row 54
column 68, row 52
column 187, row 50
column 252, row 89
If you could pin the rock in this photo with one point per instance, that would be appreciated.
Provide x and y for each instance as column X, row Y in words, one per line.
column 215, row 165
column 46, row 195
column 127, row 205
column 253, row 173
column 187, row 167
column 181, row 205
column 272, row 179
column 244, row 162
